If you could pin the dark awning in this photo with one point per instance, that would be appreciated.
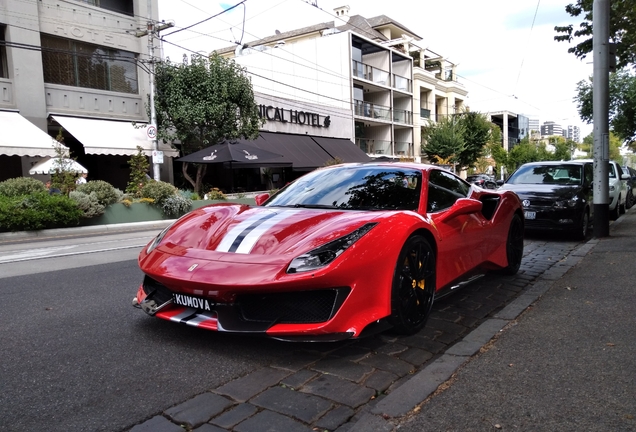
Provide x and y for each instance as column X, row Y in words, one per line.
column 300, row 150
column 342, row 148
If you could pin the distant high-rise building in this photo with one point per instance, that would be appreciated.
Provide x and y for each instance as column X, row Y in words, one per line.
column 573, row 133
column 551, row 128
column 533, row 125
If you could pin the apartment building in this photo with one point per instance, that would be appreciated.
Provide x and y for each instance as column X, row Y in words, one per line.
column 378, row 86
column 78, row 67
column 573, row 133
column 551, row 128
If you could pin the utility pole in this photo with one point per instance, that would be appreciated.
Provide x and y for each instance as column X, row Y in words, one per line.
column 153, row 29
column 600, row 91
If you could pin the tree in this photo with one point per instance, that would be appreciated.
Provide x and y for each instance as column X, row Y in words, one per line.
column 476, row 135
column 202, row 103
column 622, row 112
column 621, row 28
column 563, row 148
column 444, row 140
column 138, row 171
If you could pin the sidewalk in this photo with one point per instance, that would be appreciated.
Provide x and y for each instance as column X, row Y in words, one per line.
column 568, row 363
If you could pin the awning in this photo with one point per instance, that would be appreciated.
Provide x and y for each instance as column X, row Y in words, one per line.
column 342, row 148
column 300, row 150
column 20, row 137
column 110, row 137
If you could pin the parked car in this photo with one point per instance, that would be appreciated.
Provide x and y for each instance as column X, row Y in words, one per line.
column 341, row 252
column 631, row 186
column 482, row 180
column 556, row 196
column 617, row 189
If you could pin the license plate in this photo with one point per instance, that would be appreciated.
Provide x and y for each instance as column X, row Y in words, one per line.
column 530, row 215
column 193, row 302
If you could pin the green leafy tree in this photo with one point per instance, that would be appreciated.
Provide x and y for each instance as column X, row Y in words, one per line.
column 63, row 177
column 622, row 112
column 444, row 140
column 621, row 27
column 563, row 148
column 202, row 103
column 138, row 168
column 495, row 149
column 477, row 129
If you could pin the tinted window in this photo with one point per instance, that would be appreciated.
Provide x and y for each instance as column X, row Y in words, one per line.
column 589, row 173
column 568, row 174
column 444, row 189
column 354, row 188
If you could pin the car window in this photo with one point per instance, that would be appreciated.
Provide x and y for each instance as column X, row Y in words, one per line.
column 566, row 174
column 612, row 171
column 354, row 188
column 444, row 189
column 589, row 173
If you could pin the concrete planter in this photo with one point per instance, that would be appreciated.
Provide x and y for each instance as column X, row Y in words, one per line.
column 141, row 212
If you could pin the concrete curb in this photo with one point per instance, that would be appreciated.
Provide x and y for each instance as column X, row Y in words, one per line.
column 424, row 383
column 78, row 231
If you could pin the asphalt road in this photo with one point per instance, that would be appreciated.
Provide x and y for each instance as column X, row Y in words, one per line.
column 76, row 356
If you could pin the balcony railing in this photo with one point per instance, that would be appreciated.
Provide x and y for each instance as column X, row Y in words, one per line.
column 402, row 83
column 382, row 147
column 370, row 73
column 403, row 116
column 372, row 146
column 367, row 109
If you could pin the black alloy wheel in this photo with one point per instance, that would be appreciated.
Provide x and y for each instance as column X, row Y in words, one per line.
column 629, row 202
column 514, row 246
column 413, row 290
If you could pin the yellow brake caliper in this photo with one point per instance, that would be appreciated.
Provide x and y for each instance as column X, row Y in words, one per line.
column 418, row 284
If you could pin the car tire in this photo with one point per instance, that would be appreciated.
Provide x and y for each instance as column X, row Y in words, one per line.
column 581, row 232
column 614, row 214
column 622, row 207
column 629, row 202
column 413, row 287
column 514, row 246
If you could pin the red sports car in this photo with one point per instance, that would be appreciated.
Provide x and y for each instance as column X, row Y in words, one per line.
column 341, row 252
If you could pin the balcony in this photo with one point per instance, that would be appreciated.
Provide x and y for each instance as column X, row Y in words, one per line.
column 377, row 147
column 367, row 109
column 403, row 116
column 401, row 83
column 370, row 73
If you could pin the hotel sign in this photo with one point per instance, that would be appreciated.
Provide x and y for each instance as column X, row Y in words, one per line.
column 272, row 113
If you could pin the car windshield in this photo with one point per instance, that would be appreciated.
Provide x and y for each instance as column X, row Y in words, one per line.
column 357, row 187
column 565, row 174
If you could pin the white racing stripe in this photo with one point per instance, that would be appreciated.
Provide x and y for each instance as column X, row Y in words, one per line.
column 250, row 239
column 244, row 236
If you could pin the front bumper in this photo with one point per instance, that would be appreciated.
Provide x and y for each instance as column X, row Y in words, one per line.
column 288, row 316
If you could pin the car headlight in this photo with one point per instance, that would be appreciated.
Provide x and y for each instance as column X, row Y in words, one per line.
column 572, row 202
column 153, row 244
column 328, row 252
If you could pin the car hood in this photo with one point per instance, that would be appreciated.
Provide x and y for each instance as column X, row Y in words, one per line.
column 541, row 191
column 237, row 233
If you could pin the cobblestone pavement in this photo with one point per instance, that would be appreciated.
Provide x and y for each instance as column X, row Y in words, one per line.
column 336, row 387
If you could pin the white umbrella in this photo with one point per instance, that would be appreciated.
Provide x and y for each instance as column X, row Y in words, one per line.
column 50, row 165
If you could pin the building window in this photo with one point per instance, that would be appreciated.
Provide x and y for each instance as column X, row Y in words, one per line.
column 4, row 70
column 121, row 6
column 79, row 64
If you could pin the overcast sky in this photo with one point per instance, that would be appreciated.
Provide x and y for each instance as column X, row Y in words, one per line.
column 506, row 54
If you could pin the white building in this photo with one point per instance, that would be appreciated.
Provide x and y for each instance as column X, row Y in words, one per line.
column 573, row 133
column 368, row 74
column 550, row 128
column 75, row 66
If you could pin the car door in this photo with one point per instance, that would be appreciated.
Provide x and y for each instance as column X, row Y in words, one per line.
column 460, row 249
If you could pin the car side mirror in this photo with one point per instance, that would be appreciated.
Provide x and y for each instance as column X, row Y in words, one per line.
column 625, row 177
column 499, row 182
column 261, row 198
column 461, row 207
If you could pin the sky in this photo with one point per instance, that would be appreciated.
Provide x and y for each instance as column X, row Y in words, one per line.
column 505, row 50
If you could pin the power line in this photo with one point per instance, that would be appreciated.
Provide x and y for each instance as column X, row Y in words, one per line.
column 207, row 19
